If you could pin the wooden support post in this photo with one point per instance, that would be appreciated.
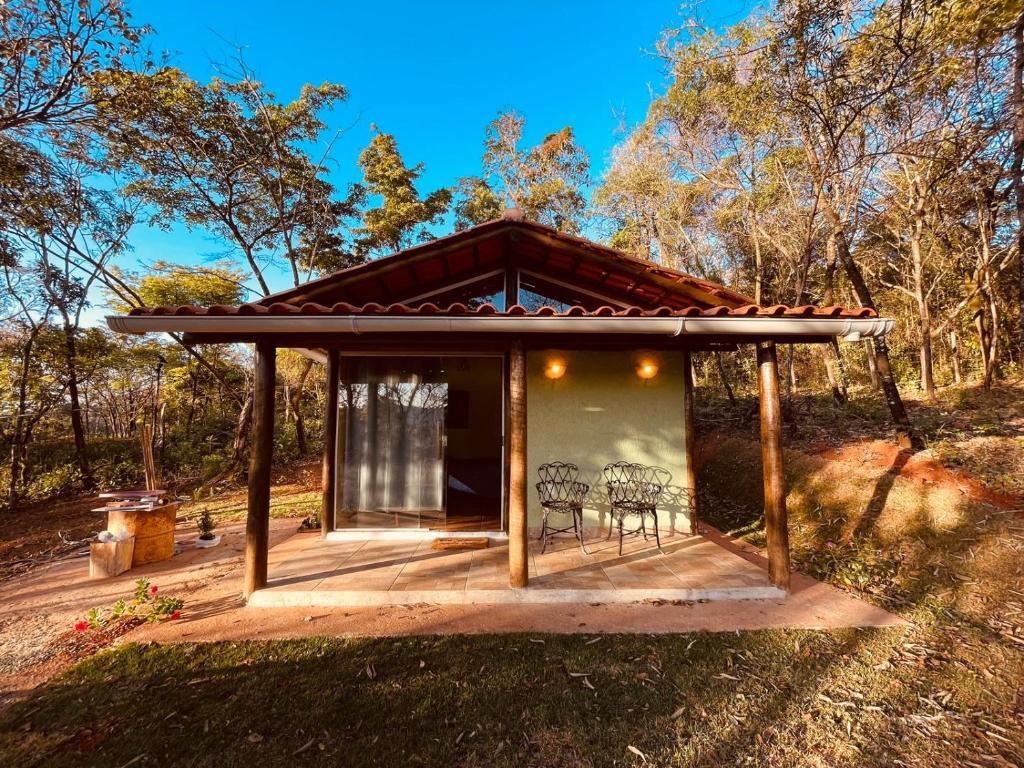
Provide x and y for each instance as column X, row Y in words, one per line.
column 511, row 287
column 518, row 569
column 329, row 471
column 689, row 436
column 257, row 525
column 775, row 518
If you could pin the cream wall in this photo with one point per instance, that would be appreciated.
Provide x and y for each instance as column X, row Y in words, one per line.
column 599, row 412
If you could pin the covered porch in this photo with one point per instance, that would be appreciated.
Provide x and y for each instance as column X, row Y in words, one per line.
column 308, row 571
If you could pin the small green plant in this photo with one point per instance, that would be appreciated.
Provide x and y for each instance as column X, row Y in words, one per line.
column 857, row 565
column 147, row 604
column 206, row 525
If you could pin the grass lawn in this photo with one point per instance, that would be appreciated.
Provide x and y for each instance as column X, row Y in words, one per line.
column 759, row 698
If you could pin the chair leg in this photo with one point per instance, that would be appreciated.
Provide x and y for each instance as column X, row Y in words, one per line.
column 657, row 534
column 620, row 534
column 544, row 532
column 579, row 530
column 611, row 522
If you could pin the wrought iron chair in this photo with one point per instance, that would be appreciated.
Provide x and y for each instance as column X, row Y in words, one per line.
column 632, row 491
column 561, row 491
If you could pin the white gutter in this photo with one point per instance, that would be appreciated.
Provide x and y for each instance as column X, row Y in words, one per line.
column 850, row 329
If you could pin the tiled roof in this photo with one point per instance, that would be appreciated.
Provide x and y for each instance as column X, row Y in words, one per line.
column 439, row 263
column 342, row 308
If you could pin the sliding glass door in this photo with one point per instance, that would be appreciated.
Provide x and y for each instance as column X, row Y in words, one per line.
column 420, row 443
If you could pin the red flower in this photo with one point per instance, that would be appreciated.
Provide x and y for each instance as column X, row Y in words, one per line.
column 176, row 615
column 81, row 625
column 153, row 589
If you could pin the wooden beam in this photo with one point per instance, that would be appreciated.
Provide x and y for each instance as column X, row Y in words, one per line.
column 689, row 436
column 510, row 290
column 775, row 517
column 518, row 570
column 329, row 471
column 511, row 287
column 257, row 525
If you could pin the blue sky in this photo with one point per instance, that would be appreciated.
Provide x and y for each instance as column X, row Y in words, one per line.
column 432, row 73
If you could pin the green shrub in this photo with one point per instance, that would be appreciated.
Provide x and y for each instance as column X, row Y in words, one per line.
column 54, row 482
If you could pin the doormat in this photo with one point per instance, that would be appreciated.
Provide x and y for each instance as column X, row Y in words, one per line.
column 469, row 542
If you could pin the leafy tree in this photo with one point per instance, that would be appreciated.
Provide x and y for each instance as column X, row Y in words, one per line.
column 475, row 203
column 166, row 284
column 50, row 50
column 547, row 181
column 402, row 217
column 228, row 158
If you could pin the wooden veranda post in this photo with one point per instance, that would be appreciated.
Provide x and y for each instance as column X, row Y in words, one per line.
column 688, row 439
column 775, row 518
column 329, row 471
column 518, row 571
column 257, row 525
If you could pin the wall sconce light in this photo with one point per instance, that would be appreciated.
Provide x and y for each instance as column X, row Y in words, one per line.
column 555, row 369
column 647, row 370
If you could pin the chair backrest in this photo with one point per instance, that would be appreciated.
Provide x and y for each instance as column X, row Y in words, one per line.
column 654, row 480
column 625, row 482
column 558, row 482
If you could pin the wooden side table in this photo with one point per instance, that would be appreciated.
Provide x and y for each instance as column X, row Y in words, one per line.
column 153, row 530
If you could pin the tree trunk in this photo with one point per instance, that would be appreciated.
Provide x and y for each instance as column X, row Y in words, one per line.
column 22, row 430
column 924, row 320
column 1017, row 175
column 77, row 427
column 791, row 371
column 242, row 429
column 724, row 378
column 835, row 383
column 758, row 271
column 954, row 352
column 301, row 444
column 993, row 341
column 905, row 434
column 830, row 355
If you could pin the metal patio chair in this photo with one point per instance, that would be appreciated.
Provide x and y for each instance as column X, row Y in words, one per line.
column 632, row 490
column 561, row 491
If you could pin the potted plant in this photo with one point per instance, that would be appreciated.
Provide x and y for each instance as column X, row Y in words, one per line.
column 206, row 526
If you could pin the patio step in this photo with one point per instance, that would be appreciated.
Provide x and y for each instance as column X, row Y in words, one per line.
column 316, row 598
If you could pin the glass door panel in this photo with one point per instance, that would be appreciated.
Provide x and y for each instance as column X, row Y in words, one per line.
column 420, row 443
column 392, row 448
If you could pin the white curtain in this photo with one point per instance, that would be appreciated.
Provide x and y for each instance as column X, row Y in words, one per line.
column 393, row 459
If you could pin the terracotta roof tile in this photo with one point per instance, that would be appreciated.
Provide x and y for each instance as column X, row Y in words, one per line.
column 457, row 309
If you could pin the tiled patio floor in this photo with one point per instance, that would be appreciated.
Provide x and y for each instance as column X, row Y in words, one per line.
column 308, row 571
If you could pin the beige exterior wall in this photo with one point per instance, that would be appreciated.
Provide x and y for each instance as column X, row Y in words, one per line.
column 601, row 411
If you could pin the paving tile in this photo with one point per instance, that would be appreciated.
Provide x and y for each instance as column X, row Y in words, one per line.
column 687, row 562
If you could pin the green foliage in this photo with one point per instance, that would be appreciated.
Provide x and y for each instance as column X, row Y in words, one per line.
column 402, row 216
column 476, row 203
column 228, row 158
column 167, row 284
column 861, row 565
column 546, row 181
column 146, row 604
column 205, row 523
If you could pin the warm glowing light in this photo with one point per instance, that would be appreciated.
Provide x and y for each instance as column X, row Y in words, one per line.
column 647, row 370
column 555, row 369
